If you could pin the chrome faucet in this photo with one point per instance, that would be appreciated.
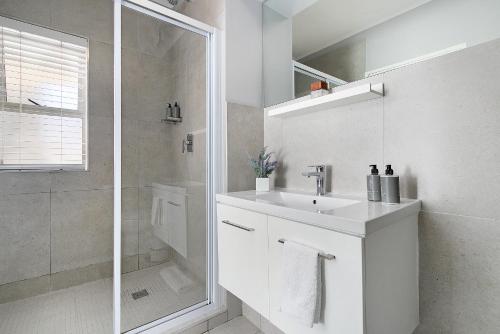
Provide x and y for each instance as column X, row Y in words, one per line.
column 320, row 175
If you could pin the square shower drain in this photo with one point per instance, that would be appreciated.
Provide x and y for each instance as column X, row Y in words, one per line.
column 140, row 294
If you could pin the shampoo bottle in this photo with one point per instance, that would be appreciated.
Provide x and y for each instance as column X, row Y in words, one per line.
column 170, row 111
column 177, row 110
column 373, row 184
column 390, row 186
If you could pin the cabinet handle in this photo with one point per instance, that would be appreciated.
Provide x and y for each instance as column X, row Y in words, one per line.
column 320, row 254
column 248, row 229
column 173, row 203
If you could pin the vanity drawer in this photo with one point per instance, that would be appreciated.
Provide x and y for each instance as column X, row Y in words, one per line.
column 243, row 255
column 342, row 310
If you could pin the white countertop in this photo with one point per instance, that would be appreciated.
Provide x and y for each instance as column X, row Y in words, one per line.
column 359, row 219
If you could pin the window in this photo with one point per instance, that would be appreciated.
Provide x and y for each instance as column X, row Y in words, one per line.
column 43, row 98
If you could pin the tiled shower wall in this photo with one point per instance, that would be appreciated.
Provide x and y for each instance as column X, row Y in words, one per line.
column 60, row 223
column 439, row 126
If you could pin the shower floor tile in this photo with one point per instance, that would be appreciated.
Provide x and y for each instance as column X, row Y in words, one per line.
column 87, row 308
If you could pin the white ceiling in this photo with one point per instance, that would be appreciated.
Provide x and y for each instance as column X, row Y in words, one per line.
column 289, row 8
column 321, row 23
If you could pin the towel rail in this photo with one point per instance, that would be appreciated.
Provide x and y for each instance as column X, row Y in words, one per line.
column 241, row 227
column 321, row 254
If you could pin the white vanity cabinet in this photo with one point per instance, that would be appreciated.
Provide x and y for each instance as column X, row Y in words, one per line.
column 243, row 255
column 342, row 310
column 370, row 287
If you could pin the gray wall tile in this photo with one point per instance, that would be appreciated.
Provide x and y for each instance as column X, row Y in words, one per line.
column 196, row 329
column 33, row 11
column 252, row 315
column 72, row 16
column 459, row 274
column 24, row 289
column 442, row 130
column 245, row 138
column 234, row 307
column 24, row 236
column 217, row 320
column 100, row 86
column 24, row 183
column 82, row 228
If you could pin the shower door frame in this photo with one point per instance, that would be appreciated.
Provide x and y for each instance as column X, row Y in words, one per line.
column 215, row 166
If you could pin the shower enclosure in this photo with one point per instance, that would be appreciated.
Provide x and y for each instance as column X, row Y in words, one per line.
column 167, row 105
column 110, row 155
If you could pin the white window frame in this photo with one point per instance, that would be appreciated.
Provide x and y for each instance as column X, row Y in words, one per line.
column 68, row 38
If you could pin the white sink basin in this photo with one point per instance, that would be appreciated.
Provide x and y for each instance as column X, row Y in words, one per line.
column 347, row 214
column 304, row 202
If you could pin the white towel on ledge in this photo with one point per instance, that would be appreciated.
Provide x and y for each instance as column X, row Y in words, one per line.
column 157, row 211
column 302, row 287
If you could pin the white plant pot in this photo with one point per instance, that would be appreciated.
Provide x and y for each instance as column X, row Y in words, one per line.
column 262, row 184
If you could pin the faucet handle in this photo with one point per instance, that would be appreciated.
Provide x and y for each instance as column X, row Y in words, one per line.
column 319, row 168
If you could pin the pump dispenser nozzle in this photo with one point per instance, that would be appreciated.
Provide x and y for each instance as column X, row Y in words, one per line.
column 389, row 170
column 374, row 170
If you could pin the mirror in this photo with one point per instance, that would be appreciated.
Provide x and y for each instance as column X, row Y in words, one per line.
column 339, row 42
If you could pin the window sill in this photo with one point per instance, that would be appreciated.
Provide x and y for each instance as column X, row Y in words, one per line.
column 44, row 169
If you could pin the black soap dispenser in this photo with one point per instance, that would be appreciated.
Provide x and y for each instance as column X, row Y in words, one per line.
column 390, row 186
column 373, row 184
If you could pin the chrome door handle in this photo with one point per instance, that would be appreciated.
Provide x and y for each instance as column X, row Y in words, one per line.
column 173, row 203
column 248, row 229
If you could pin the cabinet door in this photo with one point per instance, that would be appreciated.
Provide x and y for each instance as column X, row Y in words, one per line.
column 243, row 250
column 342, row 310
column 176, row 220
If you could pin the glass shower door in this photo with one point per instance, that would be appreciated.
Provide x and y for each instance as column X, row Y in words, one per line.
column 164, row 178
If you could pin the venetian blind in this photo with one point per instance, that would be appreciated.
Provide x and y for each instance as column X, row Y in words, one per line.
column 43, row 98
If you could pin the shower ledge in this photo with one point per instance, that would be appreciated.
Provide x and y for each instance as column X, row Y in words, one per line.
column 339, row 98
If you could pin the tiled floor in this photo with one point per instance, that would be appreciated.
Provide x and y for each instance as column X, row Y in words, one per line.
column 239, row 325
column 87, row 308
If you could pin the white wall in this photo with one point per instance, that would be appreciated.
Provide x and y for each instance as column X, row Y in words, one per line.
column 434, row 26
column 278, row 73
column 244, row 52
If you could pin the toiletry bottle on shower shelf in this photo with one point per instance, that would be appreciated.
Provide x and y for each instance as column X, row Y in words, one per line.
column 373, row 185
column 170, row 111
column 177, row 110
column 390, row 186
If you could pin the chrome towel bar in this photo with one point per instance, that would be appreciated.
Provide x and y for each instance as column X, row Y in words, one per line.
column 248, row 229
column 322, row 255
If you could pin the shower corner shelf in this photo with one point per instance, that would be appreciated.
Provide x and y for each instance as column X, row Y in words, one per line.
column 339, row 98
column 172, row 120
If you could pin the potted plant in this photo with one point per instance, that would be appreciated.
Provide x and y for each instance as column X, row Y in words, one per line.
column 263, row 167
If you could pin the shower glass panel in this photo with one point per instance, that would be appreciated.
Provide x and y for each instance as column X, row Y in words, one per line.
column 164, row 206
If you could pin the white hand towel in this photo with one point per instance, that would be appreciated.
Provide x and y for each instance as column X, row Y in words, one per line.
column 302, row 287
column 157, row 211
